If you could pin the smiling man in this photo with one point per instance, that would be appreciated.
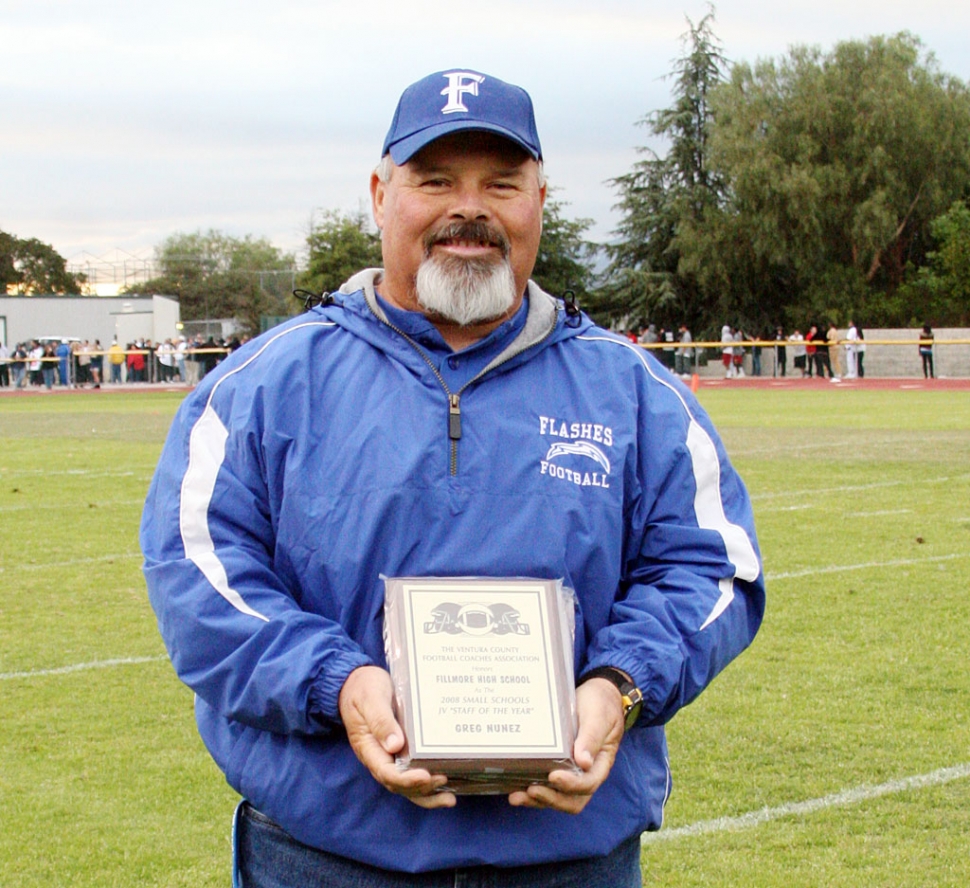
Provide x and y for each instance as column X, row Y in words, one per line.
column 460, row 224
column 443, row 417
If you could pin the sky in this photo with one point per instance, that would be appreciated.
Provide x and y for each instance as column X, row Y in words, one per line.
column 123, row 123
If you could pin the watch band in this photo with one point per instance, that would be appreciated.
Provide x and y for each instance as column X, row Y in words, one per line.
column 631, row 694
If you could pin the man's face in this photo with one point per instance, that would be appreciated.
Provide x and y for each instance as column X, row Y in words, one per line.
column 467, row 203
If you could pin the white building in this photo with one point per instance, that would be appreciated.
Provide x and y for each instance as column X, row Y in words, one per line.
column 125, row 318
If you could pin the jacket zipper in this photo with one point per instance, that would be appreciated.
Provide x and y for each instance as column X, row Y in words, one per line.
column 454, row 398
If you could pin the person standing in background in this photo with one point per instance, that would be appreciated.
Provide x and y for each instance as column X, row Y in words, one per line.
column 34, row 368
column 49, row 361
column 738, row 356
column 63, row 352
column 18, row 365
column 756, row 356
column 727, row 351
column 116, row 356
column 835, row 358
column 781, row 354
column 926, row 351
column 799, row 354
column 684, row 354
column 811, row 337
column 852, row 338
column 96, row 354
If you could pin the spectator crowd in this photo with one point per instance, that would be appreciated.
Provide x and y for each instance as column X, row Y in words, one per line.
column 823, row 353
column 86, row 364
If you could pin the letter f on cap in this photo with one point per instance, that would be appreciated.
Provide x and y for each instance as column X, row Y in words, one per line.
column 459, row 83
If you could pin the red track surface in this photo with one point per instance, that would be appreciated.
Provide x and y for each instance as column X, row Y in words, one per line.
column 870, row 383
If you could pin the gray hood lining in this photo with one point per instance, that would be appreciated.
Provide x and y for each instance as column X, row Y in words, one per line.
column 540, row 322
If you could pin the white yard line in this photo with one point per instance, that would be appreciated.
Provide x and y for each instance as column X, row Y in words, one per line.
column 787, row 448
column 839, row 568
column 848, row 488
column 86, row 473
column 812, row 806
column 44, row 565
column 81, row 667
column 73, row 507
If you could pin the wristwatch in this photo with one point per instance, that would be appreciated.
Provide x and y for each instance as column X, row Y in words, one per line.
column 631, row 694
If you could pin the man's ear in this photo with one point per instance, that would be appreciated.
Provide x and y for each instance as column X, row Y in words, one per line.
column 377, row 192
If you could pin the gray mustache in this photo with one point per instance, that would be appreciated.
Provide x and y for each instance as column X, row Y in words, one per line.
column 474, row 232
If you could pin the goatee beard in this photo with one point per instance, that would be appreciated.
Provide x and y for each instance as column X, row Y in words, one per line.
column 466, row 291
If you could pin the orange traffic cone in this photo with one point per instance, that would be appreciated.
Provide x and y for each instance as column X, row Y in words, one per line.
column 695, row 382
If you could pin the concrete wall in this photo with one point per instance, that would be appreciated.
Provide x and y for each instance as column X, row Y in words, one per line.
column 89, row 317
column 904, row 360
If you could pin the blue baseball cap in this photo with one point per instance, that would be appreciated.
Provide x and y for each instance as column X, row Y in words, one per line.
column 449, row 101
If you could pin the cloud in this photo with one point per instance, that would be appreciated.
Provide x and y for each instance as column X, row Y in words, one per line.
column 124, row 122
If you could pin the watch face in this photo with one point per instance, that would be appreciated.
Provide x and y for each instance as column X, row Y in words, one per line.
column 631, row 694
column 632, row 705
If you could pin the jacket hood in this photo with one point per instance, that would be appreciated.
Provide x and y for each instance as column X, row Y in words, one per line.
column 546, row 322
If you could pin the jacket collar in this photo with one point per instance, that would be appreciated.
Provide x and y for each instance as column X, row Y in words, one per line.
column 540, row 323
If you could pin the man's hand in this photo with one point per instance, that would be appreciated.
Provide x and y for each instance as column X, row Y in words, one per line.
column 375, row 736
column 600, row 710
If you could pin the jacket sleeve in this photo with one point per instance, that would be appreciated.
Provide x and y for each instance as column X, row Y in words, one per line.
column 234, row 631
column 692, row 595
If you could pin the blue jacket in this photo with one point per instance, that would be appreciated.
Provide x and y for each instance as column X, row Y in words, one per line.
column 320, row 456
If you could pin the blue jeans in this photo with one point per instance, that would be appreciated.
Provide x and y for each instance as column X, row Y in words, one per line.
column 266, row 857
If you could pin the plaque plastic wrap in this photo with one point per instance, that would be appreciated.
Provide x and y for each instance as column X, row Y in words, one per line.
column 483, row 678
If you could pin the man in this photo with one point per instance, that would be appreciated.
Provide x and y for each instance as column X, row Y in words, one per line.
column 738, row 337
column 835, row 358
column 685, row 353
column 63, row 352
column 781, row 353
column 166, row 360
column 820, row 346
column 83, row 361
column 18, row 365
column 851, row 346
column 811, row 347
column 727, row 350
column 648, row 336
column 442, row 417
column 799, row 353
column 36, row 363
column 116, row 358
column 95, row 355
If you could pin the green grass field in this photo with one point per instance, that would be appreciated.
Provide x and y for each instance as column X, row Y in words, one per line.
column 857, row 683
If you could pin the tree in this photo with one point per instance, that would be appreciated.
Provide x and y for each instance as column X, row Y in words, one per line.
column 338, row 246
column 645, row 280
column 31, row 266
column 940, row 293
column 214, row 275
column 837, row 165
column 8, row 270
column 565, row 259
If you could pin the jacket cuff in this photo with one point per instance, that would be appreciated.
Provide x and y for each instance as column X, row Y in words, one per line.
column 322, row 701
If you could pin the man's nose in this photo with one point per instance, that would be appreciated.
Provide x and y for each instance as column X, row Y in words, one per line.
column 469, row 204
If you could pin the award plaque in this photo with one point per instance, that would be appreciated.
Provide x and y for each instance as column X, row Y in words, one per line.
column 483, row 678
